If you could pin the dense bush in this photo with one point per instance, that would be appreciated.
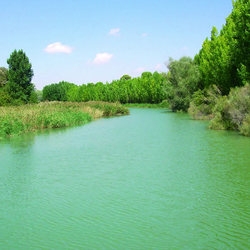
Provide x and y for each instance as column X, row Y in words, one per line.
column 233, row 112
column 203, row 103
column 230, row 112
column 245, row 127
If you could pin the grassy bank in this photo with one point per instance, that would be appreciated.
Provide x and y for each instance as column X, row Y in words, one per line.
column 46, row 115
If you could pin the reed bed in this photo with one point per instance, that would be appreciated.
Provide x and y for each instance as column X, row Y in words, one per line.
column 16, row 120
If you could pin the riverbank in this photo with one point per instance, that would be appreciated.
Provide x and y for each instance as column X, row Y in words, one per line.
column 16, row 120
column 231, row 112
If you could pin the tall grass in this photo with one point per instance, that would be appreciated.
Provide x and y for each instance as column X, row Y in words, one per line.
column 34, row 117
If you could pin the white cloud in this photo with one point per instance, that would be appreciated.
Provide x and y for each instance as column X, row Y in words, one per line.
column 101, row 58
column 114, row 32
column 144, row 34
column 58, row 47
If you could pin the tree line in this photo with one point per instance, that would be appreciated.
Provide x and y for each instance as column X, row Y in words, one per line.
column 148, row 88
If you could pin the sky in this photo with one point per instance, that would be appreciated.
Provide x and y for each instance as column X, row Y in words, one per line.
column 84, row 41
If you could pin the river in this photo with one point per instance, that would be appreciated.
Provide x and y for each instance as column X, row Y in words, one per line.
column 149, row 180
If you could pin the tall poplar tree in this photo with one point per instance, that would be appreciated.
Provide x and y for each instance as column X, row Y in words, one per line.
column 224, row 59
column 240, row 17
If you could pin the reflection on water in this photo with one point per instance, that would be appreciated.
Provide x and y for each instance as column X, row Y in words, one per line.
column 151, row 180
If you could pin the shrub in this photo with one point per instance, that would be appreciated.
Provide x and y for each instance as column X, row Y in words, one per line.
column 221, row 119
column 245, row 127
column 5, row 98
column 203, row 103
column 233, row 111
column 239, row 100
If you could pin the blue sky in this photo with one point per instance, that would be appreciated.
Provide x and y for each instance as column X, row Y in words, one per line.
column 84, row 41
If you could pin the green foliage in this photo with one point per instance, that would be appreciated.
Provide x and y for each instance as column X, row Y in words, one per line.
column 233, row 112
column 5, row 98
column 33, row 97
column 245, row 128
column 10, row 125
column 213, row 63
column 145, row 89
column 240, row 17
column 221, row 118
column 224, row 62
column 20, row 74
column 57, row 91
column 225, row 112
column 203, row 103
column 109, row 109
column 126, row 77
column 224, row 59
column 182, row 81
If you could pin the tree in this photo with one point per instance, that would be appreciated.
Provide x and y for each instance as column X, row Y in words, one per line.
column 58, row 91
column 20, row 74
column 182, row 81
column 145, row 89
column 125, row 77
column 213, row 60
column 224, row 59
column 240, row 49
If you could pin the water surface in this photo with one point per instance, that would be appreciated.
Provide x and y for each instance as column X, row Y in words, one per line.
column 150, row 180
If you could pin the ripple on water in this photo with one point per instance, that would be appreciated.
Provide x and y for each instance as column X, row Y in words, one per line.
column 151, row 180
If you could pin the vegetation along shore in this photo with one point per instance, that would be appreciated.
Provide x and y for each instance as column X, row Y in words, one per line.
column 16, row 120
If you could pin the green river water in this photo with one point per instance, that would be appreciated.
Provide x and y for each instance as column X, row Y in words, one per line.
column 150, row 180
